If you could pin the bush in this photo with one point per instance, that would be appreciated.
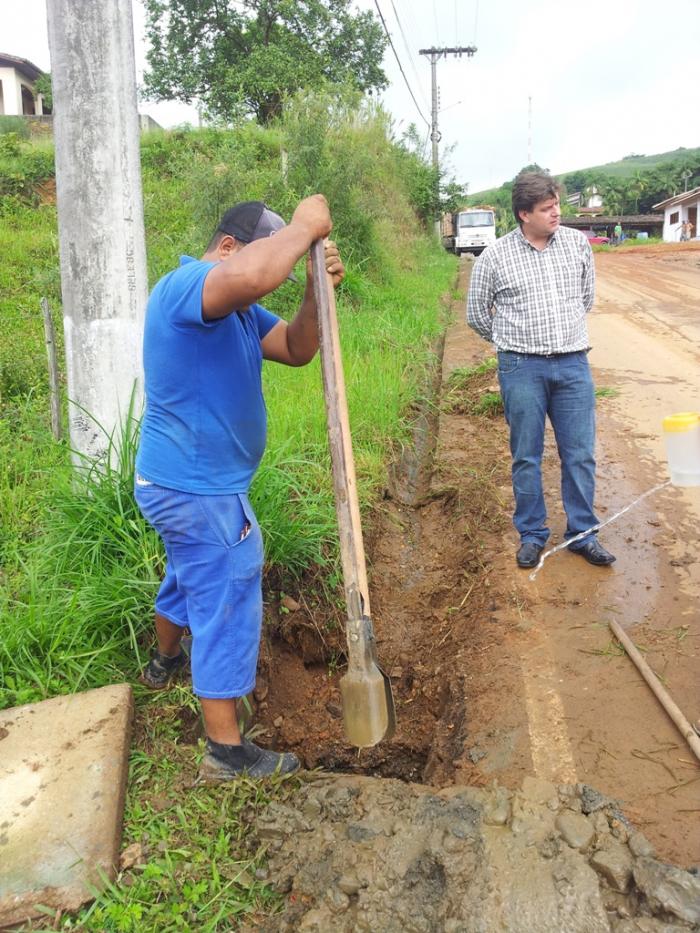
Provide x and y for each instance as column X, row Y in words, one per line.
column 23, row 167
column 13, row 126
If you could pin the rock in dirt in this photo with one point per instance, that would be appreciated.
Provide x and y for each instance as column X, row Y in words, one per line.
column 359, row 855
column 576, row 829
column 591, row 799
column 669, row 888
column 291, row 605
column 614, row 863
column 648, row 925
column 640, row 846
column 132, row 855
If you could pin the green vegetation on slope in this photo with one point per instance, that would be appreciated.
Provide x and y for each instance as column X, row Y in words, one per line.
column 627, row 166
column 79, row 567
column 631, row 186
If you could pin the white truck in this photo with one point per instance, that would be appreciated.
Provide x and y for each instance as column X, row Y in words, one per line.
column 469, row 231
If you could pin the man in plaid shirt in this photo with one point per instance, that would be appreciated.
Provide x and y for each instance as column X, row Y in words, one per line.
column 529, row 295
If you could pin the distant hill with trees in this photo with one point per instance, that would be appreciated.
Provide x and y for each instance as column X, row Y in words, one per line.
column 631, row 185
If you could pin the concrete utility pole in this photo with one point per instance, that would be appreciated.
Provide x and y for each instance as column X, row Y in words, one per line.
column 100, row 213
column 434, row 55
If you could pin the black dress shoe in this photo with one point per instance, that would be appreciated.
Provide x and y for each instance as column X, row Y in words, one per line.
column 594, row 552
column 529, row 554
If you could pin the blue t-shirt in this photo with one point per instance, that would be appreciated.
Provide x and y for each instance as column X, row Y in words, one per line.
column 205, row 422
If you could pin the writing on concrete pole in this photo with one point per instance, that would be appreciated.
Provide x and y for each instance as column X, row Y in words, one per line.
column 435, row 55
column 100, row 215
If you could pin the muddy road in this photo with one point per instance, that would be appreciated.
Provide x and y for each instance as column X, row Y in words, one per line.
column 497, row 677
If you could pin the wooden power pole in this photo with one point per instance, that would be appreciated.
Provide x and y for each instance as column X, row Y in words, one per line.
column 434, row 55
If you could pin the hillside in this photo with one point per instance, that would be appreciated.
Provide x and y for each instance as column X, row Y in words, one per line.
column 673, row 162
column 627, row 166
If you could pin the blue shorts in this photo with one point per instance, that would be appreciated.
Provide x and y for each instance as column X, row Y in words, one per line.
column 213, row 582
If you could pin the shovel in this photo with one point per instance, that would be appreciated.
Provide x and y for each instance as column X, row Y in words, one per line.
column 368, row 704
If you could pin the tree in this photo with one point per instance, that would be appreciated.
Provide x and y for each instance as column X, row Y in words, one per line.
column 575, row 181
column 43, row 86
column 532, row 167
column 614, row 195
column 242, row 57
column 432, row 191
column 637, row 186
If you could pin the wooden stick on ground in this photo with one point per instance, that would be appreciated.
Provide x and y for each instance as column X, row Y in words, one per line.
column 50, row 339
column 662, row 695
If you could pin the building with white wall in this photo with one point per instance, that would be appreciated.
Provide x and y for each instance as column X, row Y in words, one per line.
column 678, row 210
column 18, row 96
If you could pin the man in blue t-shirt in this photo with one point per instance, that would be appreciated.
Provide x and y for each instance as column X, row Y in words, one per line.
column 202, row 438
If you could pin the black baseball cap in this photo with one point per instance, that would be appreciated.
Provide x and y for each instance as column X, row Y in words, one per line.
column 252, row 220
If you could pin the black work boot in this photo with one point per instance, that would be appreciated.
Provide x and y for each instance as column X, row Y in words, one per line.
column 229, row 762
column 161, row 669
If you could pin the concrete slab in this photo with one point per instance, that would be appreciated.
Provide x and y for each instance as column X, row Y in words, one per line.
column 63, row 770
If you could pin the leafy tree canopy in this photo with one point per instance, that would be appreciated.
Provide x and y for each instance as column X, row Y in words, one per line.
column 43, row 87
column 241, row 57
column 532, row 167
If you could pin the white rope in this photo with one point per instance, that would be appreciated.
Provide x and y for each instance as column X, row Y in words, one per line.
column 570, row 541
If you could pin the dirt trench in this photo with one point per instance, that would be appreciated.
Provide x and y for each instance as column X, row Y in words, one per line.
column 501, row 681
column 435, row 533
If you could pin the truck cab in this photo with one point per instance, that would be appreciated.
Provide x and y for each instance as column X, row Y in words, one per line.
column 474, row 230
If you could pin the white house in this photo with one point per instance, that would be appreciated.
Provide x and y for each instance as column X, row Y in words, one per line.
column 18, row 95
column 677, row 210
column 589, row 200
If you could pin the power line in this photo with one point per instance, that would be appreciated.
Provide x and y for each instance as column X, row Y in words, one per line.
column 398, row 62
column 408, row 52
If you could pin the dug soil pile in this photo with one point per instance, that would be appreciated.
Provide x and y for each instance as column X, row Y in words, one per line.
column 360, row 854
column 513, row 699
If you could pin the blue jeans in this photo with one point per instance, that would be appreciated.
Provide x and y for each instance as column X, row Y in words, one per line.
column 560, row 386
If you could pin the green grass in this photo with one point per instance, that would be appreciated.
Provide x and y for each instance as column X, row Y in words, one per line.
column 76, row 605
column 626, row 244
column 606, row 392
column 79, row 567
column 196, row 865
column 469, row 390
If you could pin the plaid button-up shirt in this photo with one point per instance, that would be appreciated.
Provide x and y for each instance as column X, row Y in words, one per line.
column 533, row 301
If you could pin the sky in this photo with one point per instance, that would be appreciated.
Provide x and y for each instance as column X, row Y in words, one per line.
column 601, row 78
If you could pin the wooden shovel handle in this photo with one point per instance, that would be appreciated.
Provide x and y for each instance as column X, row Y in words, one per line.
column 344, row 482
column 662, row 695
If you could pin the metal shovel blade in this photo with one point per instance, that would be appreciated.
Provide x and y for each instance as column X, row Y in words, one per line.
column 369, row 716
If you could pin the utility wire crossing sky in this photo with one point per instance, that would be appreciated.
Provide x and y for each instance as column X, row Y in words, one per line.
column 606, row 79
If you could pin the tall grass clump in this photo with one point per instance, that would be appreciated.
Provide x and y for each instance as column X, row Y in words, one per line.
column 89, row 581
